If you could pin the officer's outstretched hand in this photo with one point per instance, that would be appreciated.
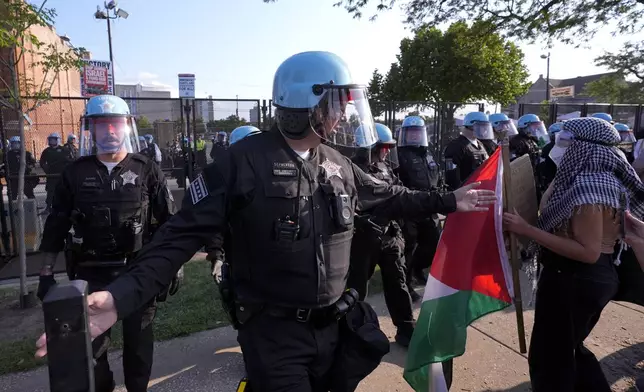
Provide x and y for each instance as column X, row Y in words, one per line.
column 102, row 316
column 470, row 199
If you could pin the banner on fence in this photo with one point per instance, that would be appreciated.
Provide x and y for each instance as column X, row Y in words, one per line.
column 96, row 78
column 560, row 92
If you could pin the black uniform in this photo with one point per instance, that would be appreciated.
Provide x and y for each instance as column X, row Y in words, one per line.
column 467, row 156
column 291, row 228
column 72, row 151
column 110, row 215
column 379, row 241
column 489, row 145
column 523, row 144
column 547, row 168
column 52, row 161
column 419, row 171
column 216, row 147
column 13, row 161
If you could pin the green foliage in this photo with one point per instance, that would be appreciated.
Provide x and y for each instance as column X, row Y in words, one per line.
column 628, row 61
column 143, row 122
column 17, row 40
column 568, row 21
column 615, row 89
column 228, row 124
column 463, row 64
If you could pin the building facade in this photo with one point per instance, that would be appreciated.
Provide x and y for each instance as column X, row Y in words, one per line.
column 153, row 102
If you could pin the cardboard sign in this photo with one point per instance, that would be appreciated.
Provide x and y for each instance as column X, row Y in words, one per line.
column 523, row 191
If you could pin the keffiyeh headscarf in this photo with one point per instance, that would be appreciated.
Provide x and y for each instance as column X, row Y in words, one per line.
column 592, row 171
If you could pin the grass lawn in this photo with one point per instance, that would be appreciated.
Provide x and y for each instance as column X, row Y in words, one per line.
column 196, row 307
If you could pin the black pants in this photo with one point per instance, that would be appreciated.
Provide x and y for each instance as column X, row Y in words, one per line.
column 138, row 340
column 30, row 185
column 367, row 251
column 570, row 299
column 50, row 187
column 286, row 355
column 421, row 239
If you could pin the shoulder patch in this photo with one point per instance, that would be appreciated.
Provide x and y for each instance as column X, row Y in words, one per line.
column 198, row 189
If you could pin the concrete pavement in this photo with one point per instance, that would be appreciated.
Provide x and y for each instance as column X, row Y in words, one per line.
column 211, row 360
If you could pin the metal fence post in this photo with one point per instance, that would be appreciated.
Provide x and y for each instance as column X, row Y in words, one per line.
column 3, row 221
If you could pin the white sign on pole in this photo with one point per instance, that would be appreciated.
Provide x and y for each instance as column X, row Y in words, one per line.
column 186, row 85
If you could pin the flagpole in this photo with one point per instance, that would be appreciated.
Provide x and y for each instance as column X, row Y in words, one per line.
column 514, row 258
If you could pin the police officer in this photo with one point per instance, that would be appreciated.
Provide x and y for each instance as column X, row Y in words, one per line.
column 466, row 153
column 53, row 160
column 13, row 163
column 72, row 150
column 108, row 197
column 486, row 136
column 628, row 141
column 290, row 203
column 531, row 138
column 379, row 240
column 153, row 150
column 418, row 170
column 603, row 116
column 547, row 168
column 218, row 144
column 503, row 127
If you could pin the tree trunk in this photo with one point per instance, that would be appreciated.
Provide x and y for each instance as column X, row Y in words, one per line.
column 19, row 214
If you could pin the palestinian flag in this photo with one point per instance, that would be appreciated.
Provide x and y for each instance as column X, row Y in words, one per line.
column 469, row 278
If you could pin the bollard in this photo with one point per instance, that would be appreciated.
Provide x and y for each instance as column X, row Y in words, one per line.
column 69, row 345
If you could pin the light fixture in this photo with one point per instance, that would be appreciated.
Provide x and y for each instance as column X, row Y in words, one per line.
column 100, row 14
column 111, row 4
column 543, row 56
column 121, row 13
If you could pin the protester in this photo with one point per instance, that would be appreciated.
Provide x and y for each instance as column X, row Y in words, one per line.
column 577, row 231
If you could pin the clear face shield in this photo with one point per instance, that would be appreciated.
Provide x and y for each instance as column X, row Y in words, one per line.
column 505, row 130
column 413, row 136
column 538, row 130
column 483, row 130
column 343, row 117
column 108, row 135
column 386, row 153
column 52, row 141
column 563, row 140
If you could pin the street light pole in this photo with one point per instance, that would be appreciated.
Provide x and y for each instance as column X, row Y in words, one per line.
column 109, row 41
column 112, row 5
column 543, row 56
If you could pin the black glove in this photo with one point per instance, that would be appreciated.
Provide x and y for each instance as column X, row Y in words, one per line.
column 46, row 282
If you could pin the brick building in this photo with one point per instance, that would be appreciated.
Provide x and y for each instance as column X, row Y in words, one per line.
column 63, row 113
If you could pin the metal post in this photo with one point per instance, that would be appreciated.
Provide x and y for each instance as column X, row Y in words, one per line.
column 187, row 108
column 109, row 40
column 265, row 125
column 548, row 78
column 194, row 135
column 3, row 219
column 237, row 109
column 69, row 344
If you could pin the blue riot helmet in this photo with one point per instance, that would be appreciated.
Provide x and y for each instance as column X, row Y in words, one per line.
column 221, row 137
column 503, row 126
column 14, row 143
column 554, row 128
column 627, row 138
column 149, row 138
column 71, row 138
column 53, row 139
column 531, row 125
column 479, row 124
column 109, row 128
column 242, row 132
column 315, row 92
column 603, row 116
column 413, row 132
column 143, row 143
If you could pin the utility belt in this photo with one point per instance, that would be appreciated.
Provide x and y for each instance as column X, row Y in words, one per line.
column 367, row 223
column 319, row 317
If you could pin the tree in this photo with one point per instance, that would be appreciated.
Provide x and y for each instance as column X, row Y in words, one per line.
column 22, row 94
column 229, row 123
column 461, row 65
column 628, row 61
column 615, row 89
column 143, row 122
column 569, row 21
column 375, row 93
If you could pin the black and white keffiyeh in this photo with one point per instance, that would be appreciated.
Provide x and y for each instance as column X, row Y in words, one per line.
column 592, row 171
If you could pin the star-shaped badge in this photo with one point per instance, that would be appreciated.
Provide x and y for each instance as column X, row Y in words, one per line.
column 331, row 169
column 129, row 177
column 106, row 107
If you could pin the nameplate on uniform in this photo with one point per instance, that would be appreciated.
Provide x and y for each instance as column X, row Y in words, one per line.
column 284, row 169
column 198, row 189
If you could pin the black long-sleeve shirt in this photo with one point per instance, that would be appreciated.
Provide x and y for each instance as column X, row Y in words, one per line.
column 260, row 185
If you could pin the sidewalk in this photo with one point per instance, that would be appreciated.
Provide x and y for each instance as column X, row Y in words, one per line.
column 211, row 361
